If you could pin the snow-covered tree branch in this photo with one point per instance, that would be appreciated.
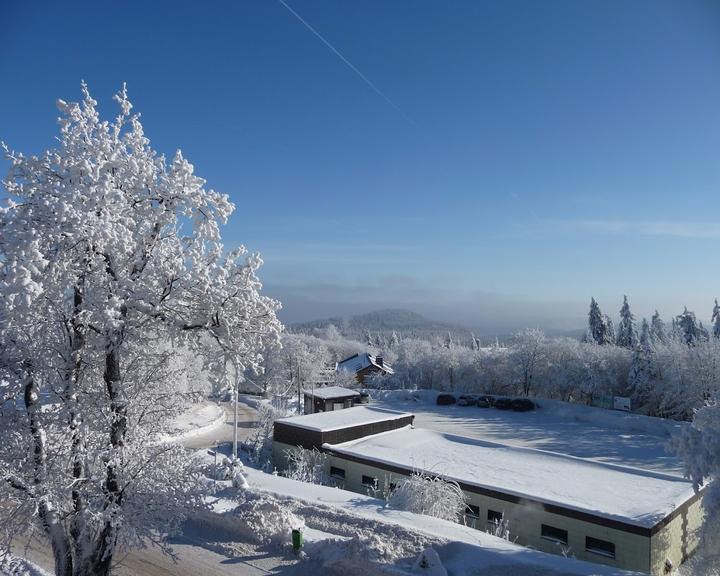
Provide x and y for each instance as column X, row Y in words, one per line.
column 109, row 253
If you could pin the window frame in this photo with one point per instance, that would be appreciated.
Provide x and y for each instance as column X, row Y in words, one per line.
column 600, row 551
column 551, row 538
column 372, row 485
column 337, row 473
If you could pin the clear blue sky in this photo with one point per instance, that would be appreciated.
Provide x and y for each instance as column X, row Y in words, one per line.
column 544, row 152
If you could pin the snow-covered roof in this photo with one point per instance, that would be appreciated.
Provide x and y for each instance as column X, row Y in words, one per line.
column 349, row 417
column 360, row 361
column 329, row 392
column 638, row 497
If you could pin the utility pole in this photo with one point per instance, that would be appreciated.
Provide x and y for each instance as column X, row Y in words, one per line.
column 235, row 427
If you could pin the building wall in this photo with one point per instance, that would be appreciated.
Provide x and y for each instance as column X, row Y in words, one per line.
column 675, row 541
column 678, row 539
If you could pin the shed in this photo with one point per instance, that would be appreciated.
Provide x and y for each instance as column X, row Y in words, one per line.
column 328, row 398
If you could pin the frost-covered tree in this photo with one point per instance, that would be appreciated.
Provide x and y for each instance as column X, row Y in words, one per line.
column 658, row 333
column 599, row 327
column 626, row 335
column 699, row 446
column 716, row 320
column 108, row 251
column 528, row 353
column 643, row 376
column 609, row 330
column 689, row 330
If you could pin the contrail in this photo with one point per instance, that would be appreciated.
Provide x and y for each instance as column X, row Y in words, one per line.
column 348, row 63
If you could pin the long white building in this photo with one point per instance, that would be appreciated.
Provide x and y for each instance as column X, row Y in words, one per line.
column 625, row 517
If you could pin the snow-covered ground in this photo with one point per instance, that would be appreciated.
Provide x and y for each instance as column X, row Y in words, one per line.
column 200, row 419
column 14, row 566
column 582, row 431
column 350, row 533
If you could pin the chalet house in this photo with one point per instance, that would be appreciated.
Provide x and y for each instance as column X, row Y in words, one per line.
column 330, row 398
column 363, row 364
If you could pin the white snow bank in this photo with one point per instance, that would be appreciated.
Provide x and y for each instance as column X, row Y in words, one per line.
column 198, row 420
column 464, row 551
column 14, row 566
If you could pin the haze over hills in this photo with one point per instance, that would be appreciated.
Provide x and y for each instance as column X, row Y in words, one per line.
column 399, row 320
column 407, row 323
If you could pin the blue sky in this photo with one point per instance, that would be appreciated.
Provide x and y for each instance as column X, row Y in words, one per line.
column 540, row 152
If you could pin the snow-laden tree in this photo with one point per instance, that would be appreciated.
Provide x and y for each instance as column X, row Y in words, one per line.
column 599, row 328
column 699, row 446
column 528, row 353
column 716, row 320
column 643, row 376
column 626, row 335
column 689, row 329
column 108, row 251
column 658, row 333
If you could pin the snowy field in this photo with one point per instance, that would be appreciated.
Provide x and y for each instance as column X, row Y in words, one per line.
column 593, row 433
column 348, row 533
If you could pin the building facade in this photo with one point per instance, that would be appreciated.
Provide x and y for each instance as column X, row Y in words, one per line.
column 372, row 452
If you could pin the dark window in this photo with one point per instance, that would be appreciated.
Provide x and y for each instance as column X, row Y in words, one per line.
column 493, row 520
column 369, row 481
column 600, row 547
column 392, row 486
column 494, row 516
column 472, row 515
column 337, row 473
column 554, row 534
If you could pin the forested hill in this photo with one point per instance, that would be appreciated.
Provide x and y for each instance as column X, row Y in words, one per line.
column 383, row 321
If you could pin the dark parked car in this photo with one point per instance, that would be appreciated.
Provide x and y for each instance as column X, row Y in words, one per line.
column 467, row 400
column 522, row 405
column 484, row 402
column 445, row 399
column 503, row 403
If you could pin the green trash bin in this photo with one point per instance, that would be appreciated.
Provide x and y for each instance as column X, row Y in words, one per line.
column 297, row 539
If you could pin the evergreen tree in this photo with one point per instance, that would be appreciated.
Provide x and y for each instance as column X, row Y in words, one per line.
column 394, row 340
column 643, row 374
column 689, row 331
column 599, row 326
column 716, row 320
column 627, row 335
column 609, row 330
column 658, row 334
column 646, row 334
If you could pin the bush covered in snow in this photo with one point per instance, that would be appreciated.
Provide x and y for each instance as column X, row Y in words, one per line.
column 307, row 465
column 268, row 519
column 259, row 444
column 429, row 495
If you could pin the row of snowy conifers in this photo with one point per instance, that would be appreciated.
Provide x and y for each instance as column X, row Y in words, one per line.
column 684, row 327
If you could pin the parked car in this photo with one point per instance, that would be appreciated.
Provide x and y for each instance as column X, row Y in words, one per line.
column 522, row 405
column 467, row 400
column 484, row 402
column 445, row 399
column 503, row 403
column 364, row 398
